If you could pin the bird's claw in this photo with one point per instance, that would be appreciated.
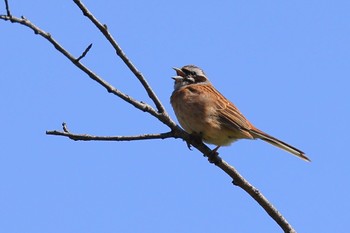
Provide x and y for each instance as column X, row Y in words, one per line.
column 189, row 145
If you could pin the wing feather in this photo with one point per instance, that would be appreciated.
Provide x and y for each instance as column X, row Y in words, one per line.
column 229, row 115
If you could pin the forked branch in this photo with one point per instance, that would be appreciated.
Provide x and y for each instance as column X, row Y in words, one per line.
column 159, row 113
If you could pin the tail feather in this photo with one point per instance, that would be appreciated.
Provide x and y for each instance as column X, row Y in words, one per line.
column 278, row 143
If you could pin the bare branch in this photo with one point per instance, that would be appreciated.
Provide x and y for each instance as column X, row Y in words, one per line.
column 103, row 28
column 240, row 181
column 161, row 114
column 84, row 53
column 87, row 137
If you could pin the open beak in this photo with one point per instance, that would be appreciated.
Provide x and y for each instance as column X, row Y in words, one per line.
column 179, row 72
column 177, row 78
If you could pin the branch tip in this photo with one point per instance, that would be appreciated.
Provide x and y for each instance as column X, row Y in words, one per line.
column 84, row 53
column 65, row 128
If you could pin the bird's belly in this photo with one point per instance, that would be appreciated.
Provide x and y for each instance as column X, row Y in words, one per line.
column 207, row 128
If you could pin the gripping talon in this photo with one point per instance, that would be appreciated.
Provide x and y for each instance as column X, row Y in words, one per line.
column 189, row 145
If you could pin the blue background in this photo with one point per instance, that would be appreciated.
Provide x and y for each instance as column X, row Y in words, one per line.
column 285, row 64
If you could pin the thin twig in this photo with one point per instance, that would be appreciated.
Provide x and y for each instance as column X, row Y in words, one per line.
column 7, row 8
column 103, row 28
column 64, row 127
column 88, row 137
column 84, row 53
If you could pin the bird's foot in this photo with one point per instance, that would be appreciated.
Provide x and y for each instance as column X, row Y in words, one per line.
column 213, row 157
column 195, row 138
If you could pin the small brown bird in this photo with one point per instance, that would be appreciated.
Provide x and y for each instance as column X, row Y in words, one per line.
column 205, row 112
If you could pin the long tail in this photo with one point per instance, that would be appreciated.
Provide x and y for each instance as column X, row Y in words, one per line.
column 278, row 143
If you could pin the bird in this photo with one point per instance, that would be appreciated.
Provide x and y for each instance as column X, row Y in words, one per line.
column 204, row 112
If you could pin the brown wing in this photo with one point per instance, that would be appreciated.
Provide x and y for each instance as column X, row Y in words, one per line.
column 229, row 115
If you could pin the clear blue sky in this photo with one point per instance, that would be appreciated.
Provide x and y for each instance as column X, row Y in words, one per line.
column 285, row 64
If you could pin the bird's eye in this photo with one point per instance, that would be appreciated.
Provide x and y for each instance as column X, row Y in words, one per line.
column 190, row 72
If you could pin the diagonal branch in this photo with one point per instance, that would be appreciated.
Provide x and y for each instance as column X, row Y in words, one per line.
column 238, row 180
column 121, row 54
column 241, row 182
column 140, row 105
column 161, row 114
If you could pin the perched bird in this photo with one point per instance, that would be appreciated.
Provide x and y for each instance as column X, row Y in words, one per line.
column 204, row 112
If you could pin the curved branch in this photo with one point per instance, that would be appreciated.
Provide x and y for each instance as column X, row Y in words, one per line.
column 161, row 114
